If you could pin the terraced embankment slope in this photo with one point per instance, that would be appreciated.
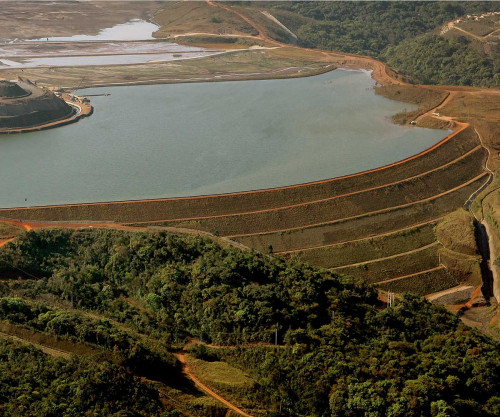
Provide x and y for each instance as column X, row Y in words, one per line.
column 378, row 224
column 330, row 223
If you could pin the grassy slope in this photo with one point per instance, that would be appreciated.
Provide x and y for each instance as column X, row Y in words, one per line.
column 425, row 283
column 456, row 233
column 185, row 17
column 363, row 226
column 380, row 270
column 8, row 230
column 370, row 248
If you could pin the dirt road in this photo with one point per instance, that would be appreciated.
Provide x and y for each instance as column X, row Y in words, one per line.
column 115, row 226
column 181, row 356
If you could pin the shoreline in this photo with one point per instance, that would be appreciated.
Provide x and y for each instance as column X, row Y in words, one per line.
column 380, row 72
column 220, row 78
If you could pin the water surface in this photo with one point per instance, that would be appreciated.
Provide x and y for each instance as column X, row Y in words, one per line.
column 78, row 61
column 192, row 139
column 133, row 30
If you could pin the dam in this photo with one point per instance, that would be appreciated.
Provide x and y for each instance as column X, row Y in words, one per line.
column 204, row 138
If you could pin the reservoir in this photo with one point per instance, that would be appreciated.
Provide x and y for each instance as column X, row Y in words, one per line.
column 201, row 138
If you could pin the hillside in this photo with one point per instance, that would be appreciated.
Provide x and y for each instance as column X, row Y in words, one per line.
column 406, row 35
column 138, row 297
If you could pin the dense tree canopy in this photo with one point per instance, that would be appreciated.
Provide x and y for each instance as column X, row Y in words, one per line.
column 341, row 354
column 33, row 384
column 404, row 34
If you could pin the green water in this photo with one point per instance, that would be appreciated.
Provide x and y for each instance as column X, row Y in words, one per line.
column 192, row 139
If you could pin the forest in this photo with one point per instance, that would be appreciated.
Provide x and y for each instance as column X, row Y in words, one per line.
column 137, row 297
column 34, row 384
column 403, row 34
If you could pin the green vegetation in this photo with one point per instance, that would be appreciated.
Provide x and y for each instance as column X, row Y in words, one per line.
column 152, row 361
column 433, row 59
column 411, row 360
column 341, row 354
column 33, row 384
column 398, row 33
column 193, row 285
column 9, row 230
column 370, row 248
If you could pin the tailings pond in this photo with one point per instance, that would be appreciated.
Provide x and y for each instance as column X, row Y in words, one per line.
column 126, row 43
column 202, row 138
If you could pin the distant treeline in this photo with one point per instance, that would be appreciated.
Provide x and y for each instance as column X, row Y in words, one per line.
column 403, row 34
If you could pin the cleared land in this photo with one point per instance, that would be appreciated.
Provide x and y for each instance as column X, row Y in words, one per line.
column 223, row 378
column 8, row 230
column 180, row 18
column 38, row 19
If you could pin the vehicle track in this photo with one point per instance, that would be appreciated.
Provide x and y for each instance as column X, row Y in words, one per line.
column 55, row 353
